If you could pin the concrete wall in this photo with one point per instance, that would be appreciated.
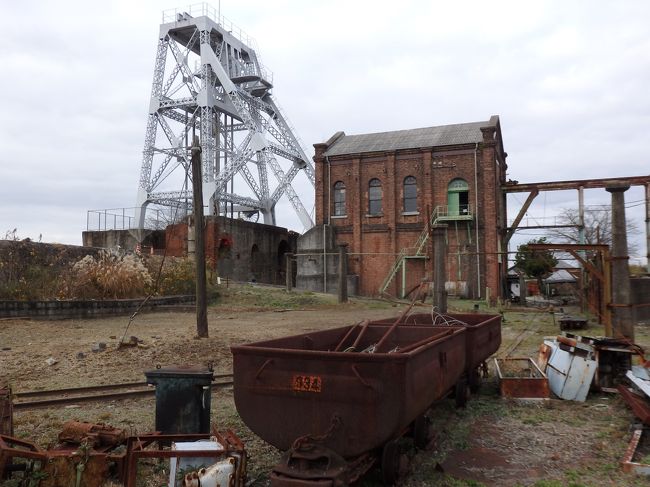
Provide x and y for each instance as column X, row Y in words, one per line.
column 124, row 239
column 311, row 262
column 641, row 295
column 84, row 309
column 25, row 252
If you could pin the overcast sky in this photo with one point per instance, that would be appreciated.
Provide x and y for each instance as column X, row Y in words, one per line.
column 570, row 81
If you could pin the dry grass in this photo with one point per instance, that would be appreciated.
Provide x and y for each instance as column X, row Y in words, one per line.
column 557, row 444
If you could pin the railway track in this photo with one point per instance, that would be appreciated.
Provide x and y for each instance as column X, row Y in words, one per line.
column 105, row 392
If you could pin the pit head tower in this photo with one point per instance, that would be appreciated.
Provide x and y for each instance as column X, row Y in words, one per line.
column 209, row 82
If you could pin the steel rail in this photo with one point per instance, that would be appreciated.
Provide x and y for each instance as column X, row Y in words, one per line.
column 141, row 389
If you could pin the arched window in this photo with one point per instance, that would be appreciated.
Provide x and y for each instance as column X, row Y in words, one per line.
column 339, row 199
column 374, row 197
column 410, row 195
column 458, row 197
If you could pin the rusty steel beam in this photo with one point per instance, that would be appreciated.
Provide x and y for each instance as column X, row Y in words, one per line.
column 511, row 231
column 605, row 277
column 639, row 406
column 568, row 247
column 574, row 184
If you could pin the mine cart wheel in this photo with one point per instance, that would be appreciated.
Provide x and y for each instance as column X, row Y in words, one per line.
column 475, row 379
column 461, row 392
column 390, row 461
column 421, row 432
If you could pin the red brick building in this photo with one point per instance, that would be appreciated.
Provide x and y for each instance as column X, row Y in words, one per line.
column 377, row 190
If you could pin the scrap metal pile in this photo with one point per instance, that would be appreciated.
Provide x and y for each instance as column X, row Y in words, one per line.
column 90, row 454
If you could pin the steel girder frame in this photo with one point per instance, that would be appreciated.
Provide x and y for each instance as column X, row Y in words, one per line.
column 228, row 83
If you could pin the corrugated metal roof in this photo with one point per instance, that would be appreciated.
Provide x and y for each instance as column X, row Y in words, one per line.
column 457, row 134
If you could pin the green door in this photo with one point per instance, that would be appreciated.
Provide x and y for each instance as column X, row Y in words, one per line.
column 457, row 191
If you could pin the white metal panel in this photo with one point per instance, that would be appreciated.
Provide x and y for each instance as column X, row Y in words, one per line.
column 177, row 464
column 642, row 384
column 570, row 375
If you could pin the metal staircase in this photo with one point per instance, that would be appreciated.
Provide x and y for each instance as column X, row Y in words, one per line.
column 440, row 214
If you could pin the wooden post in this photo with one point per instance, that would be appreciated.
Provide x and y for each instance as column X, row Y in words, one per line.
column 288, row 271
column 343, row 273
column 199, row 242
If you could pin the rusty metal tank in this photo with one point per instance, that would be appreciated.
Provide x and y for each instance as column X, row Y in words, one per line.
column 352, row 399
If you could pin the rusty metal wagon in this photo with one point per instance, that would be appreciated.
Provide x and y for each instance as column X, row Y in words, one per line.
column 336, row 400
column 483, row 337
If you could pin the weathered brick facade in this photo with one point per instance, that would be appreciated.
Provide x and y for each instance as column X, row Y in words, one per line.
column 471, row 155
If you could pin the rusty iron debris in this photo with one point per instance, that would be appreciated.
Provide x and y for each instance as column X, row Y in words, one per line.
column 92, row 434
column 573, row 323
column 84, row 465
column 629, row 462
column 521, row 378
column 6, row 412
column 639, row 406
column 335, row 401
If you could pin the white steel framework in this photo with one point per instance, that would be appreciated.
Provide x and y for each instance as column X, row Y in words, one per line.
column 208, row 81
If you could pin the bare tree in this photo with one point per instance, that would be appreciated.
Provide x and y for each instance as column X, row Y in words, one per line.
column 598, row 228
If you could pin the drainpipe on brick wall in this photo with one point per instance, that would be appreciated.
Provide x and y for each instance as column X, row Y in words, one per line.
column 478, row 248
column 329, row 221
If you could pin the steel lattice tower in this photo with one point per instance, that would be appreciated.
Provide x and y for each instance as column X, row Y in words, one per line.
column 214, row 86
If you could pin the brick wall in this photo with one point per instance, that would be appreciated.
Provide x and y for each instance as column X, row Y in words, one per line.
column 241, row 250
column 375, row 241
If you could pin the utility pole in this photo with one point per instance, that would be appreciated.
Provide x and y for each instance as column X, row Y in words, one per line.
column 199, row 242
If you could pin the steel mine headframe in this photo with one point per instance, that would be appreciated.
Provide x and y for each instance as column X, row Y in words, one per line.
column 208, row 81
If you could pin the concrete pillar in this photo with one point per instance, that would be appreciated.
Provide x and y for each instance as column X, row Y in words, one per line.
column 343, row 273
column 523, row 290
column 622, row 312
column 438, row 237
column 288, row 270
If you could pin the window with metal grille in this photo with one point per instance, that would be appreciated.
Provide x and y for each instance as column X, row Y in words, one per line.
column 374, row 197
column 339, row 199
column 410, row 195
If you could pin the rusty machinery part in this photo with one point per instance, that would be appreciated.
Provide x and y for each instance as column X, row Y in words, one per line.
column 639, row 406
column 421, row 432
column 390, row 462
column 136, row 449
column 221, row 473
column 315, row 465
column 89, row 394
column 87, row 467
column 6, row 412
column 94, row 435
